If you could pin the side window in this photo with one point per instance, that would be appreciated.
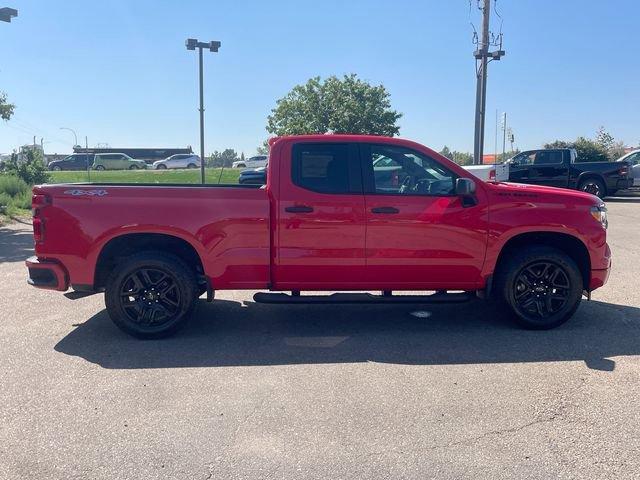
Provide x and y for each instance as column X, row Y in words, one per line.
column 321, row 167
column 548, row 157
column 400, row 171
column 524, row 158
column 634, row 159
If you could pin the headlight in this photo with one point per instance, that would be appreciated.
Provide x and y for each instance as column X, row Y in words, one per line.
column 600, row 214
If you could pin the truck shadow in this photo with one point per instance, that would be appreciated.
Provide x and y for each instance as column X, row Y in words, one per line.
column 228, row 333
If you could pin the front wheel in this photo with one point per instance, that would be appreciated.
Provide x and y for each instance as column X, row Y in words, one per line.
column 100, row 168
column 542, row 287
column 56, row 168
column 133, row 167
column 151, row 294
column 593, row 186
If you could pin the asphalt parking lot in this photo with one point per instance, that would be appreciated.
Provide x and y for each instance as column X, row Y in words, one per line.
column 259, row 391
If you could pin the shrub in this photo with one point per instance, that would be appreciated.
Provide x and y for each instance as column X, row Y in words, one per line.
column 5, row 200
column 32, row 170
column 22, row 200
column 12, row 185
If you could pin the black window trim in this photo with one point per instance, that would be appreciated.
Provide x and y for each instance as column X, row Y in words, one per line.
column 368, row 179
column 549, row 150
column 353, row 167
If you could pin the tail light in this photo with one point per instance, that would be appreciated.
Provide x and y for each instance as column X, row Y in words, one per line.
column 38, row 202
column 492, row 174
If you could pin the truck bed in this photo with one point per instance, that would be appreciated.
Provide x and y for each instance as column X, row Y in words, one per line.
column 227, row 225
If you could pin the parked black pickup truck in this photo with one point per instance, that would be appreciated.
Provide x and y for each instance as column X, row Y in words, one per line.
column 561, row 168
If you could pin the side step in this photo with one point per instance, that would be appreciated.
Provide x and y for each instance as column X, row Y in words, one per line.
column 438, row 297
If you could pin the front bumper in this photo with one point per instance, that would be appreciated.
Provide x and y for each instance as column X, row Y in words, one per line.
column 47, row 274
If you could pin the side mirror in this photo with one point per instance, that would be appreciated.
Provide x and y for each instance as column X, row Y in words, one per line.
column 515, row 163
column 465, row 187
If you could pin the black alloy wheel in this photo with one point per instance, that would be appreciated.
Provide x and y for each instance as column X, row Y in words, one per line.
column 151, row 294
column 541, row 290
column 150, row 297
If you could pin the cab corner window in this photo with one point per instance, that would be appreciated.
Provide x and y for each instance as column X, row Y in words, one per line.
column 401, row 171
column 321, row 167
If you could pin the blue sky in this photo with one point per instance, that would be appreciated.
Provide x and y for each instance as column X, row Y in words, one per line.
column 118, row 71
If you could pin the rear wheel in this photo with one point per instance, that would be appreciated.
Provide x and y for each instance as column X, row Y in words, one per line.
column 542, row 287
column 192, row 165
column 133, row 167
column 594, row 186
column 151, row 294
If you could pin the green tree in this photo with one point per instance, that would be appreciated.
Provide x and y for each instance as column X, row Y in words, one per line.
column 604, row 139
column 31, row 168
column 462, row 158
column 6, row 108
column 263, row 149
column 338, row 105
column 224, row 158
column 445, row 152
column 587, row 150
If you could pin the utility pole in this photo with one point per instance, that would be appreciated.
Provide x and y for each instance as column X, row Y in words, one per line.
column 504, row 135
column 495, row 142
column 483, row 56
column 86, row 151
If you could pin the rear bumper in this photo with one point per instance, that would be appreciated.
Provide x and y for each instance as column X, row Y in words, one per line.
column 47, row 274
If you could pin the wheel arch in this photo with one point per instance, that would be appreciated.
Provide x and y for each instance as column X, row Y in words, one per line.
column 123, row 245
column 566, row 243
column 591, row 175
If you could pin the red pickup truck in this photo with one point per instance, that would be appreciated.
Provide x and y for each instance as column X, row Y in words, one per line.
column 339, row 213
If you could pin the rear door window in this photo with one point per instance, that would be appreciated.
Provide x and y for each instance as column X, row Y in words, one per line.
column 326, row 168
column 548, row 157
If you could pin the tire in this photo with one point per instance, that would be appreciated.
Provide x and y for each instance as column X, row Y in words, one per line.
column 133, row 167
column 56, row 168
column 100, row 168
column 593, row 185
column 241, row 165
column 192, row 165
column 163, row 295
column 161, row 167
column 541, row 287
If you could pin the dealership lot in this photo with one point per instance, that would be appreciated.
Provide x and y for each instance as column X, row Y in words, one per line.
column 260, row 391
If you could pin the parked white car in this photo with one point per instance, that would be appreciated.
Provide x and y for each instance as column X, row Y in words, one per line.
column 252, row 162
column 180, row 160
column 633, row 158
column 498, row 172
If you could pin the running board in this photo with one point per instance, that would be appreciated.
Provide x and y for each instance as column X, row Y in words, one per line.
column 439, row 297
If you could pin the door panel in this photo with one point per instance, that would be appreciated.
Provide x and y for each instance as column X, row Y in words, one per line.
column 420, row 237
column 320, row 219
column 549, row 169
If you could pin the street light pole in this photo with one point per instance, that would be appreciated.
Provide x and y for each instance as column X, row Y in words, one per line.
column 201, row 116
column 75, row 136
column 213, row 46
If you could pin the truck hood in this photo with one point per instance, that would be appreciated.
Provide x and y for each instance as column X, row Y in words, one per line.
column 527, row 190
